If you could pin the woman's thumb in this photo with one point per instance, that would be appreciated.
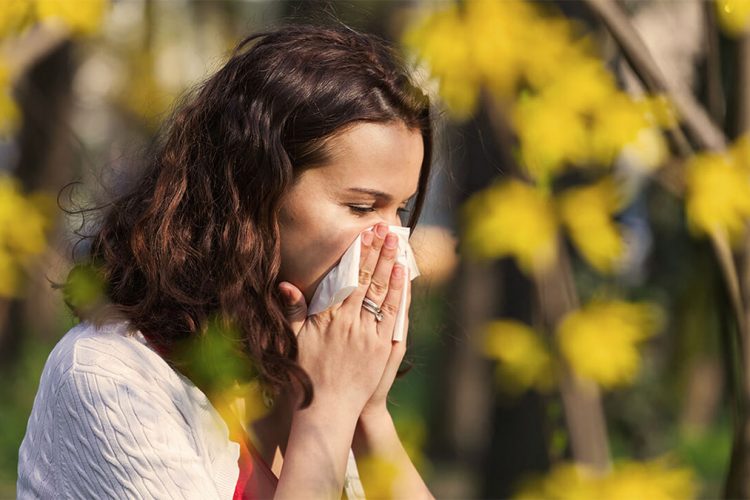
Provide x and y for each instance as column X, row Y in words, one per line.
column 295, row 307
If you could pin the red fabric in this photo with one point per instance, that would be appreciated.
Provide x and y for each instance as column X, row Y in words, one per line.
column 256, row 479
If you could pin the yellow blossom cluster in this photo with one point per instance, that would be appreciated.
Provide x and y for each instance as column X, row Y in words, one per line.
column 600, row 342
column 734, row 16
column 24, row 221
column 564, row 104
column 658, row 479
column 718, row 191
column 524, row 360
column 513, row 218
column 81, row 17
column 587, row 212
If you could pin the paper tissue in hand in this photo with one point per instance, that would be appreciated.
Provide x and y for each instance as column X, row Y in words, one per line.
column 343, row 279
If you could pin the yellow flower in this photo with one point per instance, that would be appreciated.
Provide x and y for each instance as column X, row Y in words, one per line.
column 717, row 195
column 587, row 213
column 615, row 124
column 243, row 402
column 441, row 38
column 583, row 87
column 551, row 134
column 648, row 151
column 600, row 341
column 566, row 481
column 656, row 479
column 511, row 219
column 495, row 33
column 734, row 15
column 580, row 118
column 82, row 17
column 524, row 361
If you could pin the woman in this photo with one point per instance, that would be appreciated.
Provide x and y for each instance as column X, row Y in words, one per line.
column 305, row 138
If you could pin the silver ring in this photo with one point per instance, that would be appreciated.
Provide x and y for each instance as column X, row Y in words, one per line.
column 373, row 308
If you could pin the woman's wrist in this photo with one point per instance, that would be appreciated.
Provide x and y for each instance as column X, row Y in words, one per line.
column 374, row 433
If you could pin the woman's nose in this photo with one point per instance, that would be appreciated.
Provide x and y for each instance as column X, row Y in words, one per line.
column 393, row 220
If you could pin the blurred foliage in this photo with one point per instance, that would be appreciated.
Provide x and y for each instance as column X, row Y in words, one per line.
column 588, row 214
column 81, row 17
column 565, row 106
column 17, row 395
column 525, row 63
column 510, row 218
column 524, row 360
column 24, row 221
column 545, row 75
column 600, row 341
column 657, row 479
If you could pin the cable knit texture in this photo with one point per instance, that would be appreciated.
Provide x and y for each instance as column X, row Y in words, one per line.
column 112, row 419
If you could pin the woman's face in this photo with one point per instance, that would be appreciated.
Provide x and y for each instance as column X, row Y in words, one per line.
column 373, row 172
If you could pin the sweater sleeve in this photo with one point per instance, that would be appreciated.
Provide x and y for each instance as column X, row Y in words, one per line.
column 121, row 439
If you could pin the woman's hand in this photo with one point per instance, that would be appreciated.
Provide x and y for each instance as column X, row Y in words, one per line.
column 376, row 406
column 346, row 352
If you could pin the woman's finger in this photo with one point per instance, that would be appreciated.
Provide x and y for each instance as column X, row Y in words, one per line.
column 392, row 300
column 367, row 268
column 382, row 275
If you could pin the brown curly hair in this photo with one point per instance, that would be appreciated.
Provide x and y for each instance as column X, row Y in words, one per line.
column 196, row 235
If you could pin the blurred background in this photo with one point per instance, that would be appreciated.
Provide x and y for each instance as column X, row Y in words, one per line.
column 580, row 328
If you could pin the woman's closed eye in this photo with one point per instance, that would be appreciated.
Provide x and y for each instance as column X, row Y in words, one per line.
column 360, row 210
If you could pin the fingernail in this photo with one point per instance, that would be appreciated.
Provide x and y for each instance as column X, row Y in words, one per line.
column 391, row 241
column 367, row 238
column 381, row 229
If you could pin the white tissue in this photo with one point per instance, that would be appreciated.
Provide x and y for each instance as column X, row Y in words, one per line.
column 343, row 279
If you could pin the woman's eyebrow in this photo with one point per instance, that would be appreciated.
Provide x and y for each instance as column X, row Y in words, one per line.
column 378, row 194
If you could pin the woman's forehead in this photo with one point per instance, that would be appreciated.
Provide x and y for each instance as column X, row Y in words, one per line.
column 383, row 157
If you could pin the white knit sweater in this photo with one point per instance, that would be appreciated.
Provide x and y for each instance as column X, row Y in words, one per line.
column 112, row 419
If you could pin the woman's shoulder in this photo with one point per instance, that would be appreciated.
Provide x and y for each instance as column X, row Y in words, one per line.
column 112, row 419
column 114, row 349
